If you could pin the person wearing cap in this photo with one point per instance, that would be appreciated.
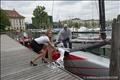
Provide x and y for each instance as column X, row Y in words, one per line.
column 65, row 36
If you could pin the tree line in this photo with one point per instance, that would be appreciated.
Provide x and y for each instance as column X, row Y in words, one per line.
column 4, row 20
column 41, row 18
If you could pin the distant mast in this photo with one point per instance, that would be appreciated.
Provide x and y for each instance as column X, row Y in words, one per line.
column 102, row 19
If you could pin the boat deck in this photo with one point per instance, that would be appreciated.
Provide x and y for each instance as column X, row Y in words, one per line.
column 15, row 65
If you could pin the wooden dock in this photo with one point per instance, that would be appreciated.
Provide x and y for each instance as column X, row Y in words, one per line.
column 15, row 65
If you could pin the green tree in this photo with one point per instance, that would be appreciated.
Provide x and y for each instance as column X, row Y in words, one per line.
column 76, row 25
column 60, row 24
column 70, row 23
column 40, row 19
column 86, row 24
column 80, row 24
column 4, row 20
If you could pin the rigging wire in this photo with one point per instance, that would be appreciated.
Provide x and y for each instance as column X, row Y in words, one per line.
column 92, row 12
column 52, row 7
column 97, row 8
column 96, row 2
column 52, row 11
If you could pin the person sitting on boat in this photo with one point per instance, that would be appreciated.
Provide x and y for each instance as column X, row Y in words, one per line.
column 40, row 45
column 65, row 36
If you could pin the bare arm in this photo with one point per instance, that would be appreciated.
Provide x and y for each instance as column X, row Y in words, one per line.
column 51, row 45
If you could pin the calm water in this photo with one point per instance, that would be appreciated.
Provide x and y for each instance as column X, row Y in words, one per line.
column 108, row 34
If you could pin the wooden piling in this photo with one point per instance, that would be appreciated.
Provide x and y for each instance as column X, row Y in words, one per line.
column 115, row 53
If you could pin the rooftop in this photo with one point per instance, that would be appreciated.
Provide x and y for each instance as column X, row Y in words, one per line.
column 13, row 14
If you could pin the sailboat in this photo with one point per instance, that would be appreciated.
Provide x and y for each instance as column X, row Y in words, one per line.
column 86, row 64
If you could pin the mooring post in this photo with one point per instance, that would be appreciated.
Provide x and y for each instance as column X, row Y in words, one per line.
column 115, row 50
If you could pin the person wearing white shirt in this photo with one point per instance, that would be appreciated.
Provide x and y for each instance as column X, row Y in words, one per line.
column 65, row 36
column 40, row 45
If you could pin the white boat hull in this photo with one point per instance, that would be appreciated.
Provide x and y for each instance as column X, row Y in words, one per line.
column 86, row 64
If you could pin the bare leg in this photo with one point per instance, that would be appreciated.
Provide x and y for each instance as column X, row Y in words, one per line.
column 41, row 55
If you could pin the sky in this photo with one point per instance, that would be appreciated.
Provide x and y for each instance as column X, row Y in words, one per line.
column 62, row 10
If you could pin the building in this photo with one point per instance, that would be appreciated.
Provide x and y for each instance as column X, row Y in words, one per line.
column 76, row 20
column 17, row 21
column 91, row 23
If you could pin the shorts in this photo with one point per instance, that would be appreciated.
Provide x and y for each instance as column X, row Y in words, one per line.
column 36, row 47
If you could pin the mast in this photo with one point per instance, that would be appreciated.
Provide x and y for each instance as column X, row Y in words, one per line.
column 102, row 19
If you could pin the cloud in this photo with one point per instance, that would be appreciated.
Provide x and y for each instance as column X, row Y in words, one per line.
column 64, row 9
column 80, row 9
column 64, row 3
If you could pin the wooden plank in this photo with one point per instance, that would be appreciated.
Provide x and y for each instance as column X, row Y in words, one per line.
column 15, row 64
